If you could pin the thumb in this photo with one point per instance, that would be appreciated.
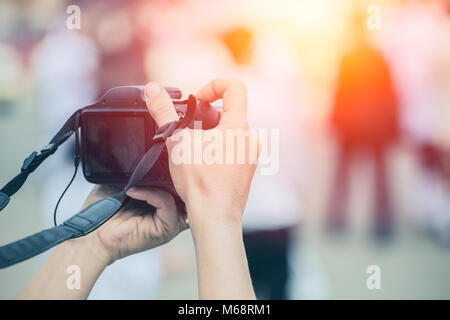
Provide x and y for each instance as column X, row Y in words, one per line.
column 159, row 104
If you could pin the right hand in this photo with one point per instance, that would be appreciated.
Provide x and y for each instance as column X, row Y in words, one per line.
column 210, row 191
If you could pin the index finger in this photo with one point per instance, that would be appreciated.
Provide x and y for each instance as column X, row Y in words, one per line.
column 234, row 95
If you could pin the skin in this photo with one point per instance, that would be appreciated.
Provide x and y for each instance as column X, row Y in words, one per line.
column 215, row 197
column 133, row 229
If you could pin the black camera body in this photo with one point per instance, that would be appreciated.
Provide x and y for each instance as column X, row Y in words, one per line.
column 117, row 130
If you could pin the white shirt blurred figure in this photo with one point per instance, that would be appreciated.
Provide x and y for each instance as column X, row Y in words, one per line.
column 269, row 67
column 66, row 64
column 270, row 70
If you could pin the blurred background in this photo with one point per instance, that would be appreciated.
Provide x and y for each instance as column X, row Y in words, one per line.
column 360, row 91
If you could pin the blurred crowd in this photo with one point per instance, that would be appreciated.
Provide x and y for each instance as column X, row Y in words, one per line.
column 314, row 70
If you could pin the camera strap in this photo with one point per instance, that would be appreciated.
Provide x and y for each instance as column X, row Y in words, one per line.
column 34, row 160
column 91, row 217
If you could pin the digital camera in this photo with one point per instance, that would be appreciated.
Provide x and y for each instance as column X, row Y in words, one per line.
column 117, row 130
column 119, row 144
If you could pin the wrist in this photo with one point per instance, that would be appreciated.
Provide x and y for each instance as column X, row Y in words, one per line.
column 210, row 216
column 221, row 261
column 212, row 234
column 206, row 224
column 91, row 247
column 51, row 281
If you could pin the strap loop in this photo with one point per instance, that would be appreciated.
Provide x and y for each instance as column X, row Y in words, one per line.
column 28, row 161
column 50, row 148
column 33, row 161
column 165, row 131
column 4, row 199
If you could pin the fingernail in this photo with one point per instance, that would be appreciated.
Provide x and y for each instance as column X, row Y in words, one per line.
column 152, row 89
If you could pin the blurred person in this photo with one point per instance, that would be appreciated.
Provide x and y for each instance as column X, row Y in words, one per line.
column 121, row 47
column 11, row 77
column 270, row 69
column 364, row 118
column 215, row 198
column 65, row 64
column 265, row 61
column 69, row 66
column 436, row 164
column 418, row 52
column 121, row 62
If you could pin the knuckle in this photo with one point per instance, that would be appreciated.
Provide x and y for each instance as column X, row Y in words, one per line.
column 239, row 84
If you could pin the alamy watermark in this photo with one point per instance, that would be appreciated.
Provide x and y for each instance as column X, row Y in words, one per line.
column 227, row 147
column 73, row 282
column 373, row 281
column 373, row 21
column 73, row 21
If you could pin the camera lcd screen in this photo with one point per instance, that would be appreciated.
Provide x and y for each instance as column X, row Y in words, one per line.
column 114, row 144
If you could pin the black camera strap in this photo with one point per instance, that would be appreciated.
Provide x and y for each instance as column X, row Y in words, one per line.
column 34, row 160
column 91, row 217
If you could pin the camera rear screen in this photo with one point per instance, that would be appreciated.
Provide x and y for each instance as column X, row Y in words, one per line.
column 114, row 144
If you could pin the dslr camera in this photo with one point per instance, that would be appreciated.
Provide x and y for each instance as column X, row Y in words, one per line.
column 117, row 130
column 119, row 144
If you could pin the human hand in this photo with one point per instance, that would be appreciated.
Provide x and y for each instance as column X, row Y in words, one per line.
column 215, row 193
column 218, row 190
column 149, row 219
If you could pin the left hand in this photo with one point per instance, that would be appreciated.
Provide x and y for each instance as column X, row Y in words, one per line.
column 137, row 226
